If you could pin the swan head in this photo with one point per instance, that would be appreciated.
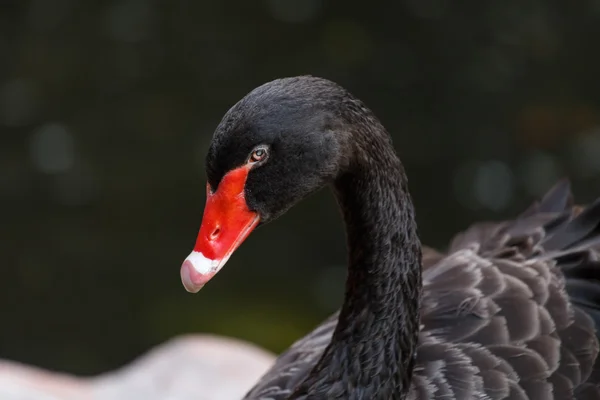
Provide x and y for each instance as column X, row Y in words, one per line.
column 281, row 142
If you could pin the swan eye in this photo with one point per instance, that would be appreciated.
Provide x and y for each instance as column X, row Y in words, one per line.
column 259, row 154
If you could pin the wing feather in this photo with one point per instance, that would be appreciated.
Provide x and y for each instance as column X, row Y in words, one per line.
column 509, row 312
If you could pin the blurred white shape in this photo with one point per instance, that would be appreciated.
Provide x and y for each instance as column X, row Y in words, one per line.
column 294, row 11
column 189, row 367
column 585, row 154
column 328, row 287
column 539, row 172
column 130, row 20
column 46, row 15
column 52, row 149
column 194, row 367
column 493, row 185
column 18, row 102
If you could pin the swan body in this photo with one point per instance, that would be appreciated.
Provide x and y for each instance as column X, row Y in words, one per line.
column 509, row 311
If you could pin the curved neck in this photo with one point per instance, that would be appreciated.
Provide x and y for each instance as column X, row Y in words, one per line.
column 373, row 347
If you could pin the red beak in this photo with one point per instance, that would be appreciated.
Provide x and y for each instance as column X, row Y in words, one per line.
column 226, row 223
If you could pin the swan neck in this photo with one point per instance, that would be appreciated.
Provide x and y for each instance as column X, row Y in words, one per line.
column 379, row 321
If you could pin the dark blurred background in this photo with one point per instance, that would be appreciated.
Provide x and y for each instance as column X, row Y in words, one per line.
column 107, row 109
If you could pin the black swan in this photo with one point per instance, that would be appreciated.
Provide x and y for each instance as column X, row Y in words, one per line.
column 508, row 312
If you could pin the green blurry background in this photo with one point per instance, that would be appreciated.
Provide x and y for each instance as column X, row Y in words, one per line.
column 107, row 109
